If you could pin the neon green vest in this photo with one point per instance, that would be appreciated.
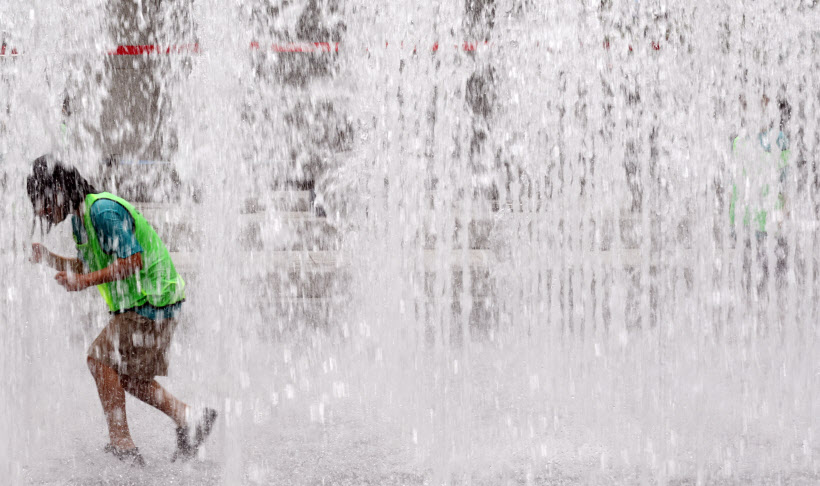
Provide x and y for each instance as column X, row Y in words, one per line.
column 156, row 283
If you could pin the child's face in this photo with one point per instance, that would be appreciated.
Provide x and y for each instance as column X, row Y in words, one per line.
column 768, row 113
column 47, row 208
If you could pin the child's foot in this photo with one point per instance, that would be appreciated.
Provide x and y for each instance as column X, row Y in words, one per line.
column 189, row 439
column 130, row 456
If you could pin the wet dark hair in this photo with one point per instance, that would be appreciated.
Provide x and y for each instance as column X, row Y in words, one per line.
column 785, row 112
column 66, row 107
column 53, row 185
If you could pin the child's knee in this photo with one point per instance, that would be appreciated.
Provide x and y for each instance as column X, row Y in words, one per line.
column 125, row 382
column 130, row 384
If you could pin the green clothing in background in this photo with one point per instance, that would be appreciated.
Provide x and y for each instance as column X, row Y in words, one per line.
column 761, row 171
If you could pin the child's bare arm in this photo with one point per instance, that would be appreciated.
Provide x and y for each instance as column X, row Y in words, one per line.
column 118, row 270
column 62, row 264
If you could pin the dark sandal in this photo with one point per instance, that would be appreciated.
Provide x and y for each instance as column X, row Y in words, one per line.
column 130, row 456
column 188, row 444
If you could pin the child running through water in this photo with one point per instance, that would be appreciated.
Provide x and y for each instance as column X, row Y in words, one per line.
column 120, row 253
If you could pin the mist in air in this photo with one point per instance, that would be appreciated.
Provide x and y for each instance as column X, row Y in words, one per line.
column 483, row 242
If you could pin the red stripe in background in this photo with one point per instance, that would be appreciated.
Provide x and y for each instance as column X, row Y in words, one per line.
column 154, row 49
column 11, row 51
column 295, row 47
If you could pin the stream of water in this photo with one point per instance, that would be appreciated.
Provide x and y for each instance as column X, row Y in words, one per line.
column 558, row 243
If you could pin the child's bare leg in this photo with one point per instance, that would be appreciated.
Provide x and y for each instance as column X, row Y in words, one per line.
column 152, row 393
column 112, row 397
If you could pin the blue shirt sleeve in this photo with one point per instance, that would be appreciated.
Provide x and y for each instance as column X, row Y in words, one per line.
column 115, row 228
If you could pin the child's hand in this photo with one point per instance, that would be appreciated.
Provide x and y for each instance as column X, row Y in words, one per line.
column 37, row 252
column 72, row 282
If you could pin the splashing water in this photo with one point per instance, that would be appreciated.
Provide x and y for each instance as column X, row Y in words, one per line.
column 490, row 242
